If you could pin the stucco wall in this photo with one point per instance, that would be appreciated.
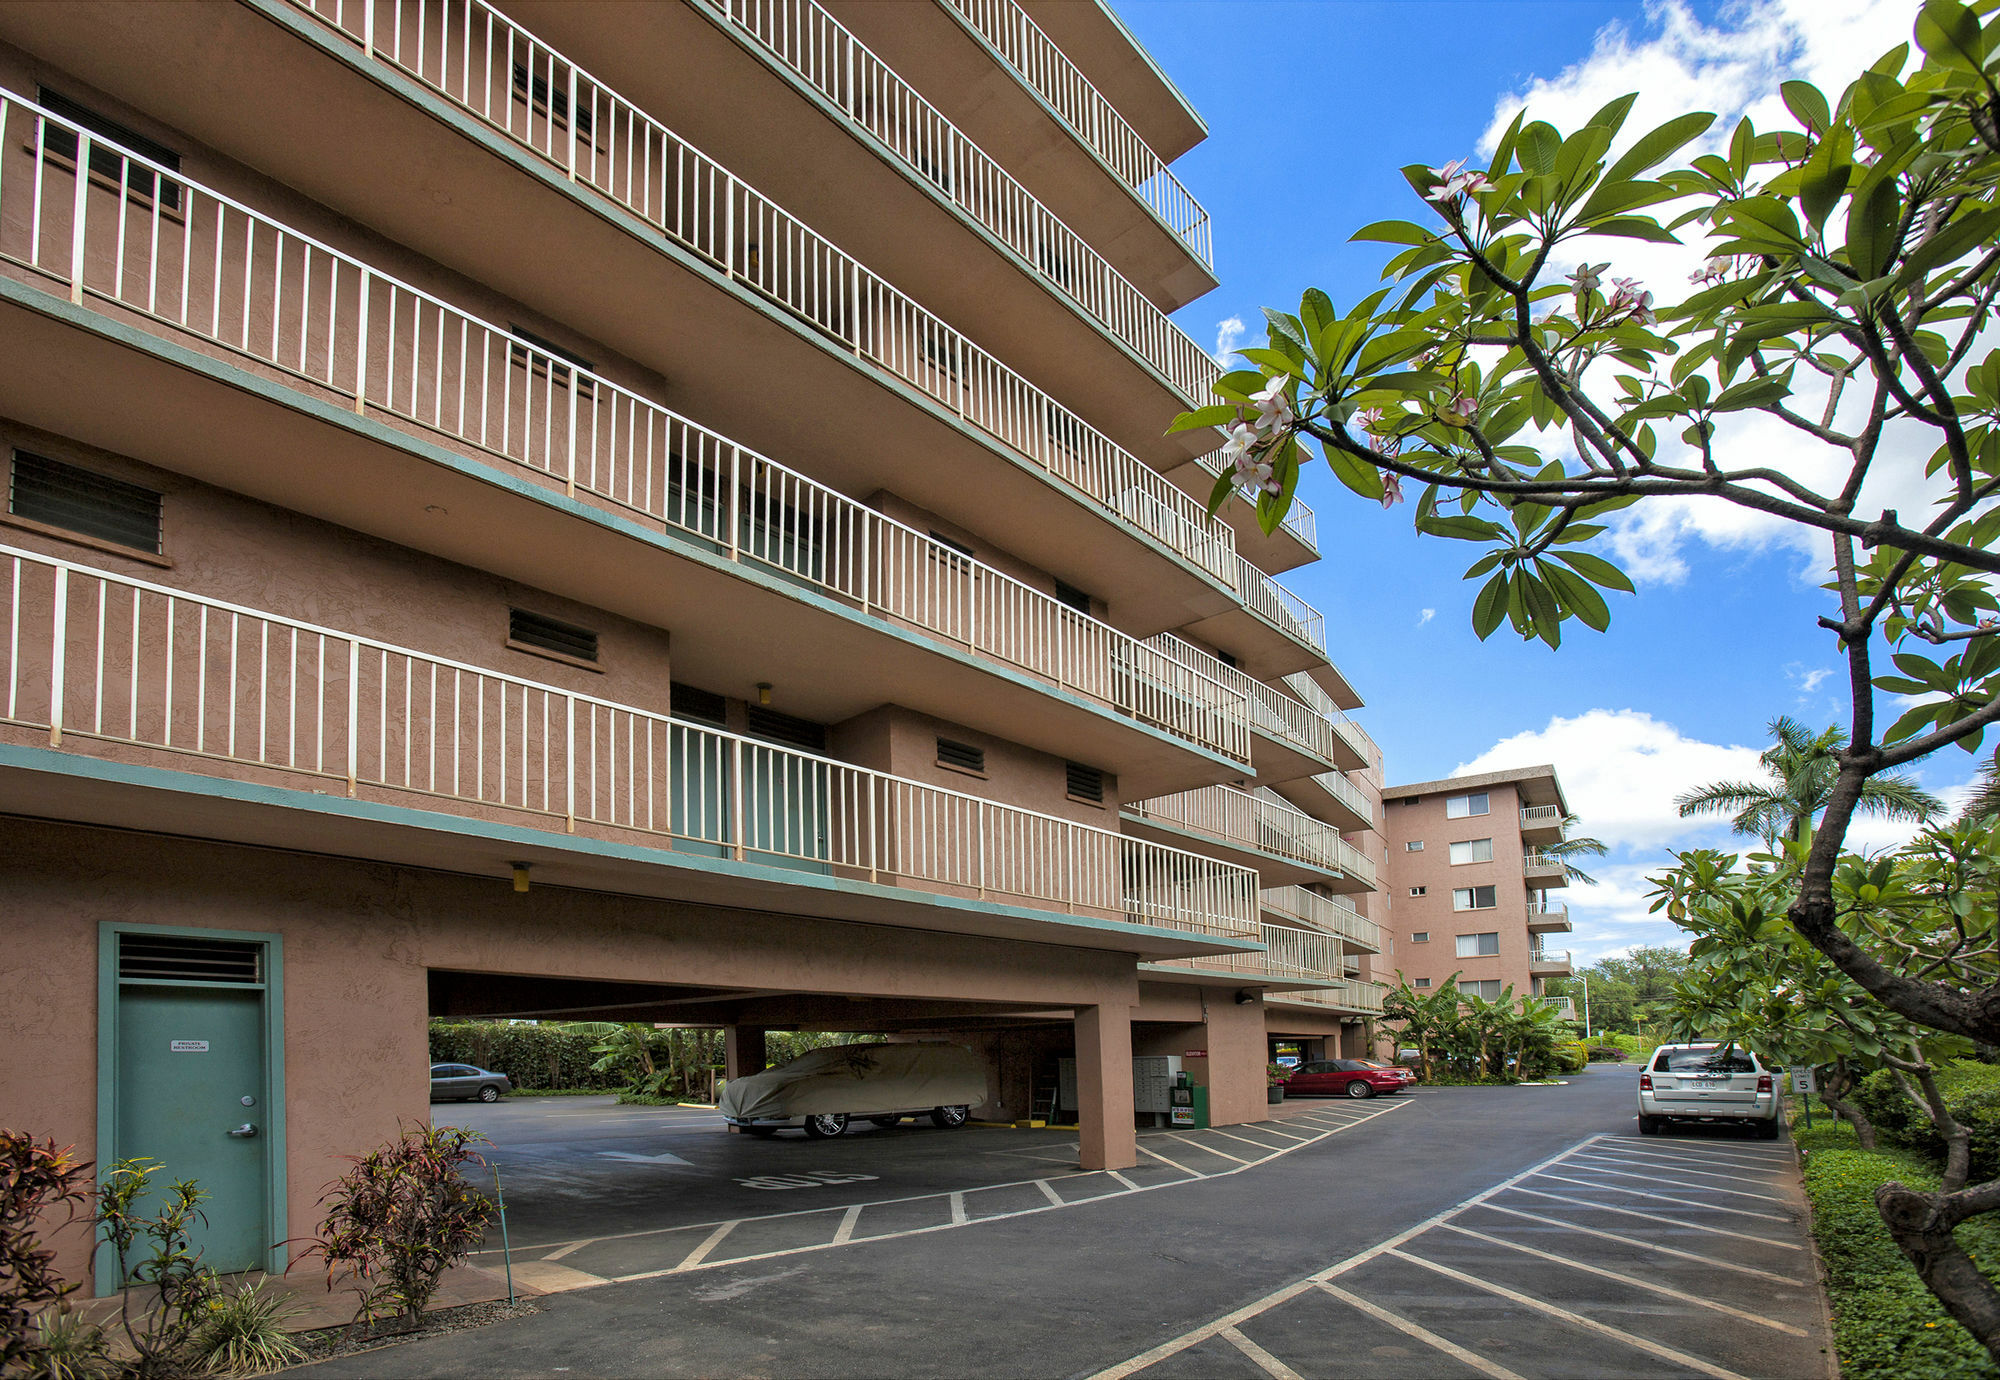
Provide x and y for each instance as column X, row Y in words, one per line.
column 1431, row 868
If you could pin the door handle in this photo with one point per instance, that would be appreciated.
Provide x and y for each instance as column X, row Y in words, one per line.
column 245, row 1131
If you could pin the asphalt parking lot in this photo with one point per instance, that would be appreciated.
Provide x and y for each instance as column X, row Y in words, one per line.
column 1503, row 1232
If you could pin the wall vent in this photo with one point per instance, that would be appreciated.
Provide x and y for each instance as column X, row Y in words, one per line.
column 176, row 958
column 80, row 500
column 769, row 724
column 547, row 634
column 1071, row 595
column 963, row 756
column 104, row 162
column 1085, row 783
column 703, row 706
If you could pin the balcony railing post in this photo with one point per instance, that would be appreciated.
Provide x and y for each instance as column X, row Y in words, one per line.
column 736, row 797
column 979, row 817
column 573, row 121
column 361, row 328
column 569, row 485
column 58, row 653
column 353, row 715
column 569, row 766
column 80, row 216
column 368, row 27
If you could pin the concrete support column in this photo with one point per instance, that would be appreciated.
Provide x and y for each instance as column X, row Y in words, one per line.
column 1104, row 1087
column 742, row 1050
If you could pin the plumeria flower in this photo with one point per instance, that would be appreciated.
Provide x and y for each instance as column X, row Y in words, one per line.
column 1238, row 440
column 1274, row 409
column 1392, row 489
column 1587, row 277
column 1453, row 181
column 1630, row 296
column 1368, row 418
column 1463, row 407
column 1713, row 271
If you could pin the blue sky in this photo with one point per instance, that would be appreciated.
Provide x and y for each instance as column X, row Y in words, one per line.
column 1312, row 110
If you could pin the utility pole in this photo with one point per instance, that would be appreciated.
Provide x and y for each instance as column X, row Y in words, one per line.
column 1584, row 981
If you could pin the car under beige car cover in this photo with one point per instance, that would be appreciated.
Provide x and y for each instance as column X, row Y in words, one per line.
column 860, row 1080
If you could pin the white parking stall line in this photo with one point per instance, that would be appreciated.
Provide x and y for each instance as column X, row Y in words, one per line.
column 1667, row 1198
column 1703, row 1150
column 1678, row 1167
column 1279, row 1131
column 1259, row 1357
column 958, row 1218
column 1231, row 1135
column 560, row 1252
column 1595, row 1167
column 1421, row 1333
column 1652, row 1348
column 1210, row 1149
column 1121, row 1178
column 701, row 1252
column 1055, row 1198
column 1171, row 1164
column 1656, row 1218
column 845, row 1232
column 1706, row 1260
column 1678, row 1295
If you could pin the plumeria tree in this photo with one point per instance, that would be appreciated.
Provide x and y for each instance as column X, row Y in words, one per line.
column 1518, row 389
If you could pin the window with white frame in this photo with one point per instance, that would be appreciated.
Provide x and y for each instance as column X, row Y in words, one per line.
column 1423, row 982
column 1418, row 890
column 1473, row 898
column 1488, row 988
column 1465, row 806
column 1420, row 936
column 1472, row 851
column 1479, row 945
column 1414, row 846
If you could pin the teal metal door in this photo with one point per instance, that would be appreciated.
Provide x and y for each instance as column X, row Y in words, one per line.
column 191, row 1091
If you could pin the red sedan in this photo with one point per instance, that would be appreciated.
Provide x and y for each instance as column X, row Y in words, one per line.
column 1345, row 1078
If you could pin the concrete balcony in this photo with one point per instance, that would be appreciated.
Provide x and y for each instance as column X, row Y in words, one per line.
column 1259, row 830
column 1360, row 750
column 1295, row 543
column 1330, row 796
column 139, row 706
column 880, row 393
column 1019, row 94
column 1548, row 919
column 1333, row 914
column 1541, row 824
column 1270, row 631
column 1549, row 963
column 1542, row 870
column 1292, row 959
column 799, row 106
column 1565, row 1007
column 541, row 446
column 1357, row 997
column 1290, row 741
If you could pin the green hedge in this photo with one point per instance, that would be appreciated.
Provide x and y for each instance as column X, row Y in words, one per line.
column 1972, row 1095
column 1886, row 1325
column 532, row 1056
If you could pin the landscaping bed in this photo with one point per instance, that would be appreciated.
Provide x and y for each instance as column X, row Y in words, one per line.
column 1886, row 1325
column 328, row 1342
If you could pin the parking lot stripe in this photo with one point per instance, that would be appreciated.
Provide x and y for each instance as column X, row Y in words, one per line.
column 1245, row 1139
column 1633, row 1280
column 1259, row 1357
column 1596, row 1167
column 1696, row 1164
column 559, row 1253
column 1668, row 1221
column 1665, row 1353
column 1211, row 1150
column 1055, row 1198
column 1727, row 1154
column 1422, row 1334
column 845, row 1232
column 700, row 1253
column 1276, row 1131
column 958, row 1218
column 1639, row 1161
column 1121, row 1178
column 1644, row 1245
column 1668, row 1198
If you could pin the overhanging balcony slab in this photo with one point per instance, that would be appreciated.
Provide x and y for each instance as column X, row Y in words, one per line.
column 1277, row 758
column 935, row 51
column 1274, row 553
column 772, row 128
column 79, row 373
column 1319, row 800
column 268, row 84
column 1272, row 869
column 1226, row 977
column 41, row 783
column 1263, row 650
column 1117, row 63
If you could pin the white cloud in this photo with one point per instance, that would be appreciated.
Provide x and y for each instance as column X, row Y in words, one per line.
column 1228, row 335
column 1426, row 616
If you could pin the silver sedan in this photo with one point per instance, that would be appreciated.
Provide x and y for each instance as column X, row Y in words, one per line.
column 463, row 1082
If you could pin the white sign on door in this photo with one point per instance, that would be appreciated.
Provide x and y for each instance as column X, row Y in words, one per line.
column 188, row 1046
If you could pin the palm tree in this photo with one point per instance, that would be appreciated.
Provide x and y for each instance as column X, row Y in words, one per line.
column 1802, row 766
column 1985, row 797
column 1567, row 848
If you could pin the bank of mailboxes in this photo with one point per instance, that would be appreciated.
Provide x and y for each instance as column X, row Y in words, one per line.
column 1153, row 1080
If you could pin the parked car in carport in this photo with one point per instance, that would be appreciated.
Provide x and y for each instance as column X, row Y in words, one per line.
column 820, row 1092
column 1345, row 1078
column 463, row 1082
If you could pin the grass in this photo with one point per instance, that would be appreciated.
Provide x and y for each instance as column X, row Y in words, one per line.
column 1886, row 1325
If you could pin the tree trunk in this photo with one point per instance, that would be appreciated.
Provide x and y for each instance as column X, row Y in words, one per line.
column 1921, row 1226
column 1833, row 1090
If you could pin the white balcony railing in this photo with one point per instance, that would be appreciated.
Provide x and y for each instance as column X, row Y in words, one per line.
column 1044, row 66
column 1357, row 996
column 802, row 35
column 493, row 69
column 1356, row 737
column 1271, row 711
column 1536, row 862
column 210, row 268
column 1558, row 958
column 1259, row 821
column 1347, row 793
column 1279, row 607
column 1540, row 816
column 1287, row 953
column 140, row 668
column 1565, row 1007
column 1334, row 914
column 1546, row 914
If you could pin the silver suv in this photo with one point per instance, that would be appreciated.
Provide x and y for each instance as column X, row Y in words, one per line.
column 1707, row 1083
